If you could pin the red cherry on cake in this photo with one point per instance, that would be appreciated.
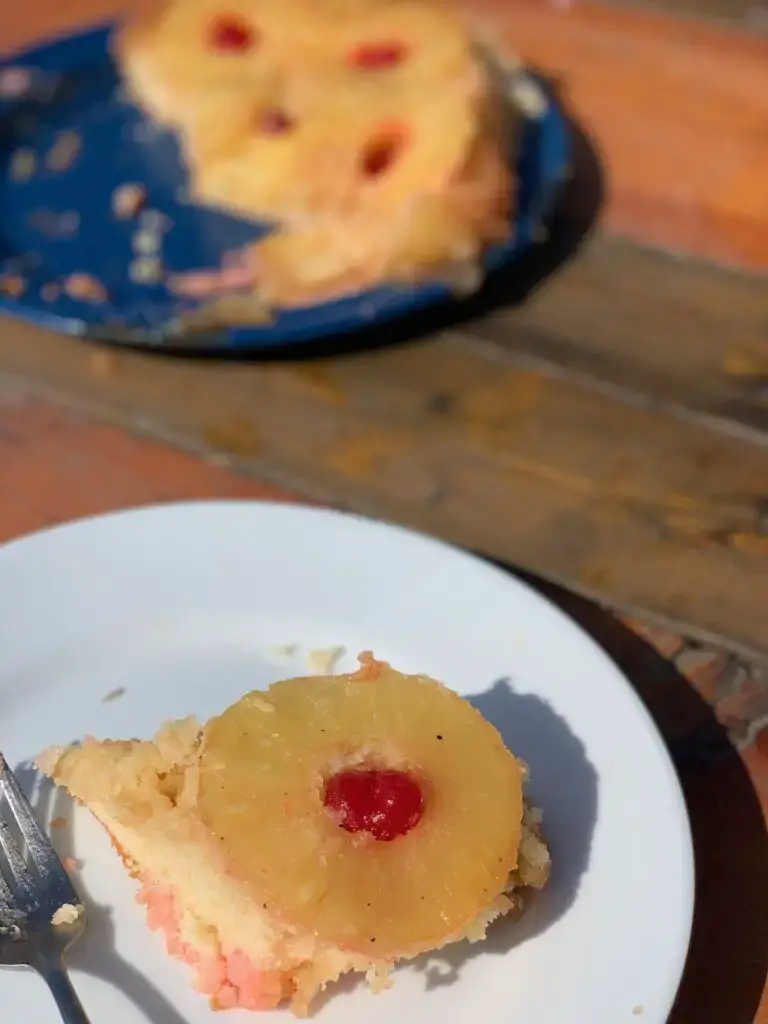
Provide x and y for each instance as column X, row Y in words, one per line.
column 385, row 803
column 231, row 34
column 382, row 150
column 378, row 56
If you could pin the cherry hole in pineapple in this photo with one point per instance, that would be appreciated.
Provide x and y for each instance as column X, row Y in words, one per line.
column 378, row 56
column 385, row 803
column 230, row 34
column 382, row 151
column 275, row 121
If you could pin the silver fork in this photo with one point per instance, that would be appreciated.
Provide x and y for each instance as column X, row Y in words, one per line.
column 40, row 913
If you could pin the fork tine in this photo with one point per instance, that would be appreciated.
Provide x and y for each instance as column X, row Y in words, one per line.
column 22, row 879
column 6, row 898
column 40, row 846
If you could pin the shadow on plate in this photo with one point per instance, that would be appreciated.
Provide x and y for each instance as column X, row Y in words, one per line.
column 728, row 962
column 564, row 785
column 95, row 953
column 572, row 220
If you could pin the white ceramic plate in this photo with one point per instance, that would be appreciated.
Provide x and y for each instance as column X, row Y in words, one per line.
column 182, row 606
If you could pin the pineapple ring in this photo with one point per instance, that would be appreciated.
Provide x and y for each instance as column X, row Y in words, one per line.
column 337, row 68
column 263, row 771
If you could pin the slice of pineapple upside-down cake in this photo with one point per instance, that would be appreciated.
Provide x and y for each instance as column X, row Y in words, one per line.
column 325, row 825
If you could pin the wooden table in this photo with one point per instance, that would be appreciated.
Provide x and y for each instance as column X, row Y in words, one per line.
column 601, row 416
column 57, row 464
column 600, row 419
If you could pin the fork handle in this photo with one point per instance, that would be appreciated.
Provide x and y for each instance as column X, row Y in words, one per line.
column 62, row 990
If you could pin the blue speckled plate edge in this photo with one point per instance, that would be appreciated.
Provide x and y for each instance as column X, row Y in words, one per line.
column 543, row 168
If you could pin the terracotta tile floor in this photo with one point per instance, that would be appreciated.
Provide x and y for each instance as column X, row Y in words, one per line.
column 56, row 465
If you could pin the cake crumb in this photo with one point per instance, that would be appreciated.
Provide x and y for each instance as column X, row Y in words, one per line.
column 155, row 221
column 378, row 978
column 85, row 287
column 127, row 200
column 12, row 285
column 23, row 165
column 323, row 660
column 638, row 1011
column 64, row 151
column 70, row 864
column 15, row 83
column 229, row 310
column 67, row 914
column 115, row 694
column 285, row 651
column 146, row 242
column 146, row 270
column 58, row 822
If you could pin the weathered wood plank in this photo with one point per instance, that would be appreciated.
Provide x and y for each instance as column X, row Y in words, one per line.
column 747, row 14
column 557, row 473
column 610, row 432
column 678, row 107
column 681, row 335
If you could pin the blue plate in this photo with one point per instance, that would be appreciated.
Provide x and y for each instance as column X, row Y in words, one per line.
column 56, row 222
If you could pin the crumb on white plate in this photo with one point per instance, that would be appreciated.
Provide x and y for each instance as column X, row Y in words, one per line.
column 68, row 914
column 58, row 822
column 115, row 694
column 638, row 1011
column 323, row 660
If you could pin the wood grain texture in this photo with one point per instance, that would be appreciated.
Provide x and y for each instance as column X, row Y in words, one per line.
column 57, row 464
column 572, row 475
column 678, row 108
column 751, row 15
column 674, row 335
column 610, row 431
